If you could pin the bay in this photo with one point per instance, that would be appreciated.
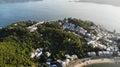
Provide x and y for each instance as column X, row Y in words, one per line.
column 106, row 15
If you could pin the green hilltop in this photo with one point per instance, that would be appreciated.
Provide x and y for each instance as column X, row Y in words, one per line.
column 17, row 42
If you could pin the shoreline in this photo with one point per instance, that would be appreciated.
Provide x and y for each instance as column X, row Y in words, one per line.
column 95, row 61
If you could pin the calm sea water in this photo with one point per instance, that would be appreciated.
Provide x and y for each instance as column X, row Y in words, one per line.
column 111, row 2
column 103, row 12
column 104, row 65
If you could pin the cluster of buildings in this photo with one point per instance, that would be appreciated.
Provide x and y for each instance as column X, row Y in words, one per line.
column 118, row 36
column 64, row 62
column 103, row 39
column 96, row 37
column 34, row 27
column 72, row 27
column 58, row 63
column 101, row 54
column 38, row 52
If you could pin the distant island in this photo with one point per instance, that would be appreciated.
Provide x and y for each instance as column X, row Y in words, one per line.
column 59, row 43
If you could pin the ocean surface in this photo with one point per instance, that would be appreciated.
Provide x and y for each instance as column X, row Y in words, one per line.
column 103, row 12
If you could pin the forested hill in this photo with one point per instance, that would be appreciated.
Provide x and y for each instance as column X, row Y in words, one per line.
column 17, row 42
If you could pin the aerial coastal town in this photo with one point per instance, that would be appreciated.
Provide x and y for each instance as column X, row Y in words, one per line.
column 97, row 37
column 59, row 33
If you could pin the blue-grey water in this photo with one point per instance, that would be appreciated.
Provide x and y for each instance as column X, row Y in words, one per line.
column 103, row 12
column 111, row 2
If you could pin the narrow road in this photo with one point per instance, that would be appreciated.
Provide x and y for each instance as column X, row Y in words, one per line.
column 73, row 63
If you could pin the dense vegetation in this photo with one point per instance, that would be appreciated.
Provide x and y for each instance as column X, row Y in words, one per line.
column 17, row 42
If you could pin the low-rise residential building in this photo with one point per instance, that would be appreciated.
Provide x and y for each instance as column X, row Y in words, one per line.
column 67, row 56
column 74, row 57
column 48, row 54
column 91, row 54
column 73, row 27
column 105, row 53
column 37, row 53
column 32, row 28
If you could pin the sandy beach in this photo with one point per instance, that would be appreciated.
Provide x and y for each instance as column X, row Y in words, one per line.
column 94, row 61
